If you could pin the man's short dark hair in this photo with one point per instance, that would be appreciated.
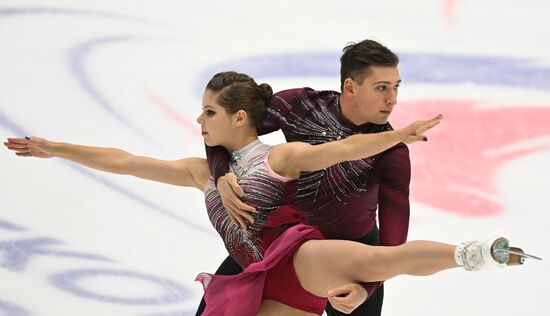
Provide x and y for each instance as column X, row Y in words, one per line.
column 358, row 57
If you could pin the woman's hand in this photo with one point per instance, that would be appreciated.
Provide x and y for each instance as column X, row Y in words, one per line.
column 30, row 147
column 415, row 131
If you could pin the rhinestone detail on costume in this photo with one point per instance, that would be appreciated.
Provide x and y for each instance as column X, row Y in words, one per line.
column 262, row 191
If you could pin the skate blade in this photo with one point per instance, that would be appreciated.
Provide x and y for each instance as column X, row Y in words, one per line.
column 516, row 256
column 523, row 255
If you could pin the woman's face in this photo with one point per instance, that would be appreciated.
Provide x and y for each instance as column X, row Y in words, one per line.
column 216, row 124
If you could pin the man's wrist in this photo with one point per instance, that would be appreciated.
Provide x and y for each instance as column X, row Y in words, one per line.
column 218, row 180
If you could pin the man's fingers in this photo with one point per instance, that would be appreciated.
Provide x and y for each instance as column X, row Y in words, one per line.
column 340, row 291
column 343, row 309
column 235, row 185
column 26, row 154
column 242, row 224
column 227, row 205
column 338, row 300
column 346, row 309
column 230, row 191
column 236, row 217
column 232, row 218
column 245, row 215
column 237, row 213
column 236, row 204
column 232, row 180
column 236, row 210
column 244, row 207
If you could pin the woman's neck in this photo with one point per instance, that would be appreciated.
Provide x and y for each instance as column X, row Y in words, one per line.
column 240, row 143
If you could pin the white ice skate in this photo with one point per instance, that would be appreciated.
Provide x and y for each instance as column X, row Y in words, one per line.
column 489, row 255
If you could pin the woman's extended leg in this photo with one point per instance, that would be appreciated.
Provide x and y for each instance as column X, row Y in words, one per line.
column 320, row 264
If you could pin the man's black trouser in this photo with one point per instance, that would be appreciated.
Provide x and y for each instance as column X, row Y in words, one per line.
column 371, row 307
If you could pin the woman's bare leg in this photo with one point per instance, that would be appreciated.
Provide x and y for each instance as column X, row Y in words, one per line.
column 320, row 264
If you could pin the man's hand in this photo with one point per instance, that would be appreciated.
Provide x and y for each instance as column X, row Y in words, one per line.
column 231, row 192
column 347, row 298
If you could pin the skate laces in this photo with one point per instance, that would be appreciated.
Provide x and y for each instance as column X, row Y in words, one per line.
column 469, row 256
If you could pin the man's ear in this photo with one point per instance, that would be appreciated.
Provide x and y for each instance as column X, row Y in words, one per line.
column 349, row 87
column 240, row 118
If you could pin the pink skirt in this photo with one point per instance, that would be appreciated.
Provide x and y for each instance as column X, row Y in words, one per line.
column 242, row 294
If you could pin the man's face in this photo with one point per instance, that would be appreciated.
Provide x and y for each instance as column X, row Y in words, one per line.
column 376, row 96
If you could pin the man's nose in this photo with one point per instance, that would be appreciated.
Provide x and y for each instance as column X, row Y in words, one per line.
column 391, row 98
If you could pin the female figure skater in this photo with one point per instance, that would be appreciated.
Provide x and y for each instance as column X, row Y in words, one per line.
column 288, row 264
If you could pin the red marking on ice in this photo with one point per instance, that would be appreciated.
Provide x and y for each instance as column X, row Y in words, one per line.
column 449, row 9
column 455, row 171
column 188, row 124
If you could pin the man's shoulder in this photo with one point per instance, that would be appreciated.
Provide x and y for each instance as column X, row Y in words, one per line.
column 394, row 159
column 305, row 94
column 289, row 95
column 400, row 150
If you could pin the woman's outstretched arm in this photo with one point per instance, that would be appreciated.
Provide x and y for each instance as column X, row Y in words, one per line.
column 292, row 158
column 189, row 172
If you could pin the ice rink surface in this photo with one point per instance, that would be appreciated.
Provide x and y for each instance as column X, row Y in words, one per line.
column 130, row 74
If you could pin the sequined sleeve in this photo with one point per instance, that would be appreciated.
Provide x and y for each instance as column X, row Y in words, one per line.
column 279, row 109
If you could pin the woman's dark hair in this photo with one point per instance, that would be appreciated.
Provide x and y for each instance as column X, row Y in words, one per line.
column 236, row 91
column 358, row 57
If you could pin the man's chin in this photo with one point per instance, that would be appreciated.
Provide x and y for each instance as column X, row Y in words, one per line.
column 210, row 143
column 380, row 122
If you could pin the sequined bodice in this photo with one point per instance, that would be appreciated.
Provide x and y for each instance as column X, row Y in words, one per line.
column 264, row 190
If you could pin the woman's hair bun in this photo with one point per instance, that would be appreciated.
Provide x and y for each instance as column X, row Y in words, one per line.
column 267, row 91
